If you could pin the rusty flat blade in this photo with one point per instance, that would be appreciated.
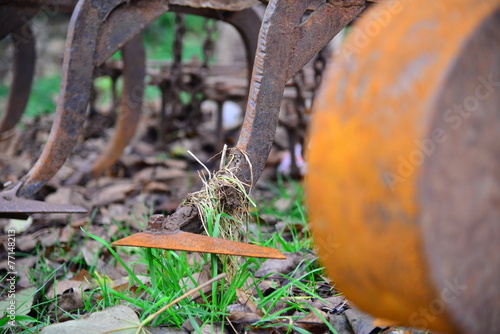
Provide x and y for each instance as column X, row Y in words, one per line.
column 186, row 241
column 21, row 205
column 10, row 205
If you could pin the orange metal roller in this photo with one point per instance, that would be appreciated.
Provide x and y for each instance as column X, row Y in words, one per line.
column 404, row 165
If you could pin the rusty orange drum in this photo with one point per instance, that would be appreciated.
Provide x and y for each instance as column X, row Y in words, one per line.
column 403, row 181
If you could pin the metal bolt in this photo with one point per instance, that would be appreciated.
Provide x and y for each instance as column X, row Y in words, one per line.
column 155, row 222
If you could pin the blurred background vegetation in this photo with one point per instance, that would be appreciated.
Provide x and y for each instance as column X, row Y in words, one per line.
column 158, row 39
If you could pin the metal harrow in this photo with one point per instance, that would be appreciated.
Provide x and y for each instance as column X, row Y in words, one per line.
column 285, row 43
column 97, row 30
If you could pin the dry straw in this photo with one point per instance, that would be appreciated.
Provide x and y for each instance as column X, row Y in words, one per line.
column 223, row 200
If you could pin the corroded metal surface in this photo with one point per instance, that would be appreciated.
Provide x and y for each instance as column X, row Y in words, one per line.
column 231, row 5
column 117, row 29
column 165, row 233
column 403, row 177
column 10, row 204
column 275, row 63
column 459, row 183
column 13, row 18
column 285, row 45
column 101, row 31
column 44, row 5
column 15, row 22
column 110, row 37
column 95, row 33
column 186, row 241
column 73, row 97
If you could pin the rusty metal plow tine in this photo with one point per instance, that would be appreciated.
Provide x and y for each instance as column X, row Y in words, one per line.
column 186, row 241
column 134, row 63
column 284, row 48
column 92, row 38
column 23, row 70
column 117, row 32
column 74, row 93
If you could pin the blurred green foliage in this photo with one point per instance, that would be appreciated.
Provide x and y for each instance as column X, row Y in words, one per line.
column 43, row 95
column 158, row 38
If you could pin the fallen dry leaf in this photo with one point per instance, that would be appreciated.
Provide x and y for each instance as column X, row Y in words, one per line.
column 116, row 212
column 156, row 187
column 66, row 195
column 23, row 267
column 113, row 193
column 23, row 301
column 213, row 328
column 175, row 163
column 117, row 319
column 313, row 323
column 90, row 254
column 244, row 318
column 361, row 323
column 59, row 287
column 200, row 278
column 68, row 302
column 274, row 267
column 48, row 236
column 159, row 174
column 25, row 242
